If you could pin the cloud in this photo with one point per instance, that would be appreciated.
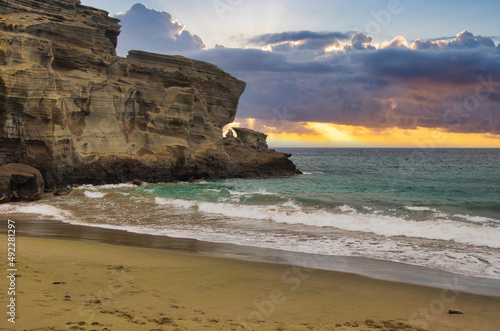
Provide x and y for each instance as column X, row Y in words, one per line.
column 237, row 60
column 450, row 66
column 300, row 45
column 303, row 76
column 361, row 41
column 317, row 45
column 276, row 38
column 453, row 88
column 398, row 42
column 154, row 31
column 464, row 39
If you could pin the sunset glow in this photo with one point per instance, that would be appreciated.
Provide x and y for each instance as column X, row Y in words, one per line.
column 372, row 80
column 331, row 135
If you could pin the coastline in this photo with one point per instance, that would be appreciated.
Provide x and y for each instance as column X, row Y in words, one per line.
column 371, row 268
column 88, row 285
column 367, row 239
column 66, row 284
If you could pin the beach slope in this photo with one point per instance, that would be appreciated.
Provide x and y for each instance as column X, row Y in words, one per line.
column 71, row 285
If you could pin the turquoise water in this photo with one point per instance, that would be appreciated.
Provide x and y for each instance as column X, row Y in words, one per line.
column 455, row 181
column 438, row 208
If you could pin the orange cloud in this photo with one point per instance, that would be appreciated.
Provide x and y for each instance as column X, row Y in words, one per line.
column 333, row 135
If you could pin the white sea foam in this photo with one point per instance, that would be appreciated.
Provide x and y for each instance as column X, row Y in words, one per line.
column 373, row 236
column 413, row 208
column 177, row 203
column 94, row 194
column 477, row 219
column 43, row 210
column 346, row 209
column 259, row 192
column 388, row 226
column 115, row 186
column 290, row 204
column 7, row 208
column 104, row 187
column 86, row 187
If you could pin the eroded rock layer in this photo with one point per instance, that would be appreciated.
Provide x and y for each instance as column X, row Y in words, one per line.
column 74, row 110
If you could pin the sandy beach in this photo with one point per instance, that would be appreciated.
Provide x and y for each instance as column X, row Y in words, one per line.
column 74, row 285
column 249, row 165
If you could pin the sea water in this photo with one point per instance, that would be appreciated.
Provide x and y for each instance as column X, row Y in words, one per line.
column 438, row 208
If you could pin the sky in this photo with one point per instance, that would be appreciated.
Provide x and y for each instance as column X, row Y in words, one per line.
column 340, row 73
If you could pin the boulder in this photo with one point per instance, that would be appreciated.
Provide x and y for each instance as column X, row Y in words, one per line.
column 62, row 191
column 20, row 182
column 138, row 182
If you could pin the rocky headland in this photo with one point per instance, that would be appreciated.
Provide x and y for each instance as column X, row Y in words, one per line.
column 78, row 113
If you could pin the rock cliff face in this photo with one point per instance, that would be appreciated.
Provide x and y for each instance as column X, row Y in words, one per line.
column 74, row 110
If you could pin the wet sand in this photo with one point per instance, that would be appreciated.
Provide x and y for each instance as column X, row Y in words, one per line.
column 377, row 269
column 76, row 285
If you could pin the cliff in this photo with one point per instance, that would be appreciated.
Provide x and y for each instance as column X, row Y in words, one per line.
column 78, row 113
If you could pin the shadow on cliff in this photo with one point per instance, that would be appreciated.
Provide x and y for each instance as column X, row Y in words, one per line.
column 81, row 115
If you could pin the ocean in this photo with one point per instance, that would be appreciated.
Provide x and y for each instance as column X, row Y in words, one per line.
column 436, row 208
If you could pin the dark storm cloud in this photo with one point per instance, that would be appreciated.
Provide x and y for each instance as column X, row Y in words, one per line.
column 305, row 45
column 305, row 76
column 237, row 60
column 376, row 88
column 451, row 66
column 276, row 38
column 154, row 31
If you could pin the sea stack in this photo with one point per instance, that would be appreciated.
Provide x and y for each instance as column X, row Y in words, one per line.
column 78, row 113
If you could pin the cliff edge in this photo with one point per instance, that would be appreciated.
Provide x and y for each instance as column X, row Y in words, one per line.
column 72, row 109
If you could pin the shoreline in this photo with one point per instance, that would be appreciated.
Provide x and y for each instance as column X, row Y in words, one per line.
column 371, row 268
column 78, row 285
